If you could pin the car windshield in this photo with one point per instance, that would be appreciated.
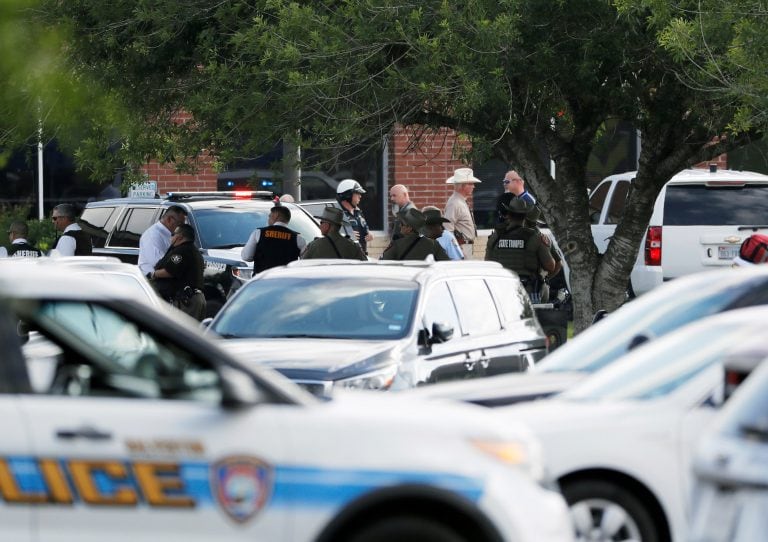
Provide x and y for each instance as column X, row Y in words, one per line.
column 228, row 226
column 697, row 204
column 339, row 308
column 661, row 367
column 654, row 314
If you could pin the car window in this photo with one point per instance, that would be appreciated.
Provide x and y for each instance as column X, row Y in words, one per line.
column 699, row 205
column 512, row 300
column 94, row 222
column 662, row 366
column 338, row 308
column 747, row 416
column 596, row 202
column 618, row 200
column 653, row 314
column 123, row 360
column 226, row 227
column 134, row 223
column 477, row 311
column 439, row 308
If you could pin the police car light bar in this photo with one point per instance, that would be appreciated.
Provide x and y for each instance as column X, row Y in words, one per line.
column 237, row 194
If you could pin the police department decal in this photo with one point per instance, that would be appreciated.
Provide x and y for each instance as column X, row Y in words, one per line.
column 176, row 258
column 242, row 486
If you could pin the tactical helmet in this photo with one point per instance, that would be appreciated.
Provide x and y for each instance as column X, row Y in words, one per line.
column 346, row 188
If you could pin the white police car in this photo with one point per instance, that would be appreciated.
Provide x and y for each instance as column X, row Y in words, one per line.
column 144, row 430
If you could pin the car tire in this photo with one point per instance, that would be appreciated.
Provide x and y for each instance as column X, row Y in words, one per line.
column 608, row 511
column 406, row 529
column 555, row 337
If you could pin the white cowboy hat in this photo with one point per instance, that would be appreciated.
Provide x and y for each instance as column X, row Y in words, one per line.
column 463, row 175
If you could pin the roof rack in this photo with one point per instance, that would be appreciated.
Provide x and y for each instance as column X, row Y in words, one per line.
column 237, row 194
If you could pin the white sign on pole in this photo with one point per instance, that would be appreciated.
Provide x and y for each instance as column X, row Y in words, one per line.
column 146, row 189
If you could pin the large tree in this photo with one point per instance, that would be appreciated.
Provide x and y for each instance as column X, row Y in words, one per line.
column 513, row 77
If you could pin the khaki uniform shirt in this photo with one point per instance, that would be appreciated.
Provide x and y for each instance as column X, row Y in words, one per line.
column 414, row 247
column 457, row 211
column 323, row 247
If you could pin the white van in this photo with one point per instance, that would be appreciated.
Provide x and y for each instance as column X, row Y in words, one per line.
column 699, row 221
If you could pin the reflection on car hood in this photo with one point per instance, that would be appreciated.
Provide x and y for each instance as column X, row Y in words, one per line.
column 321, row 359
column 229, row 254
column 501, row 390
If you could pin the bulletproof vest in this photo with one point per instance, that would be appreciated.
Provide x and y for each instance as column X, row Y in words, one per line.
column 83, row 245
column 277, row 246
column 356, row 222
column 516, row 249
column 23, row 250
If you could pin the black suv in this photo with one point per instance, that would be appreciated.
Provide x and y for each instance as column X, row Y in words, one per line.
column 222, row 221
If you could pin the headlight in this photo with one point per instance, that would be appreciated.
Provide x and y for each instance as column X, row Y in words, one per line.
column 380, row 379
column 525, row 455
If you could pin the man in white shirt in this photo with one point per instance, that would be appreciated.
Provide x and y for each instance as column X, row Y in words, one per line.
column 462, row 224
column 20, row 247
column 275, row 244
column 73, row 240
column 156, row 240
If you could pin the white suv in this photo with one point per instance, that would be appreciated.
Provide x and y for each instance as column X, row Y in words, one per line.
column 699, row 221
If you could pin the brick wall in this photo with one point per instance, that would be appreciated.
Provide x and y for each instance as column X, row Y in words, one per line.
column 170, row 180
column 424, row 168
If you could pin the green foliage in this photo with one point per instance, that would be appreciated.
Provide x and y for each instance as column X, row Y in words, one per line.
column 41, row 232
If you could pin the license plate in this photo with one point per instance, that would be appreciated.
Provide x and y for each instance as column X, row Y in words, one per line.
column 727, row 253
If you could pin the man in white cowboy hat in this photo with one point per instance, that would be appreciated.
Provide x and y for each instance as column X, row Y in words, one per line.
column 332, row 244
column 457, row 211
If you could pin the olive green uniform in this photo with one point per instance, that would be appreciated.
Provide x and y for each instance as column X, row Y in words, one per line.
column 519, row 249
column 333, row 246
column 414, row 247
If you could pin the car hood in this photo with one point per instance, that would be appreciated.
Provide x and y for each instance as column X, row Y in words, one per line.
column 501, row 390
column 226, row 254
column 316, row 359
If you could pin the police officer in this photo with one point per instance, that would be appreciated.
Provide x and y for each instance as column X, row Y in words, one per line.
column 332, row 244
column 275, row 244
column 73, row 241
column 178, row 276
column 554, row 279
column 518, row 248
column 20, row 247
column 412, row 245
column 349, row 193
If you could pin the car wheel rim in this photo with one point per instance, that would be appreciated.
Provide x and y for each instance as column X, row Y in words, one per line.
column 600, row 520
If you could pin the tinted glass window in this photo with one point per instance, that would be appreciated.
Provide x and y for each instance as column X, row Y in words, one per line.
column 439, row 308
column 596, row 202
column 123, row 359
column 339, row 308
column 618, row 199
column 477, row 311
column 94, row 222
column 133, row 225
column 699, row 205
column 513, row 302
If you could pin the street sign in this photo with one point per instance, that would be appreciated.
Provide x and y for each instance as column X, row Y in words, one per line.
column 146, row 189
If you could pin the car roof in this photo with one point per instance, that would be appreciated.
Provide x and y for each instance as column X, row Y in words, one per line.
column 700, row 175
column 32, row 278
column 194, row 200
column 393, row 269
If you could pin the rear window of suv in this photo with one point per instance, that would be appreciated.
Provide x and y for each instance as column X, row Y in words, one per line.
column 699, row 205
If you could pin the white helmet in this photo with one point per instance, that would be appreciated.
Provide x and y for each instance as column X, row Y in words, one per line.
column 346, row 189
column 349, row 184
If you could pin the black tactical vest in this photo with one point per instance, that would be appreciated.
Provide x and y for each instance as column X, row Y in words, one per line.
column 516, row 249
column 277, row 246
column 83, row 245
column 23, row 250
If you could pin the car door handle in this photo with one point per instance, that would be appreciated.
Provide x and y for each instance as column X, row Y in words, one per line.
column 87, row 432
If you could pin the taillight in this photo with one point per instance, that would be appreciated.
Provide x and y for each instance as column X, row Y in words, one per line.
column 653, row 246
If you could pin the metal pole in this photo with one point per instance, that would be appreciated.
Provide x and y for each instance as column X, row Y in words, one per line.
column 292, row 168
column 40, row 199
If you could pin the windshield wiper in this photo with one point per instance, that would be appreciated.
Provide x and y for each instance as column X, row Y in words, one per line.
column 300, row 336
column 756, row 432
column 230, row 336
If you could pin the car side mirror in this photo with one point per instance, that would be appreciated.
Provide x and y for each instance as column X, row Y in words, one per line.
column 206, row 322
column 441, row 332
